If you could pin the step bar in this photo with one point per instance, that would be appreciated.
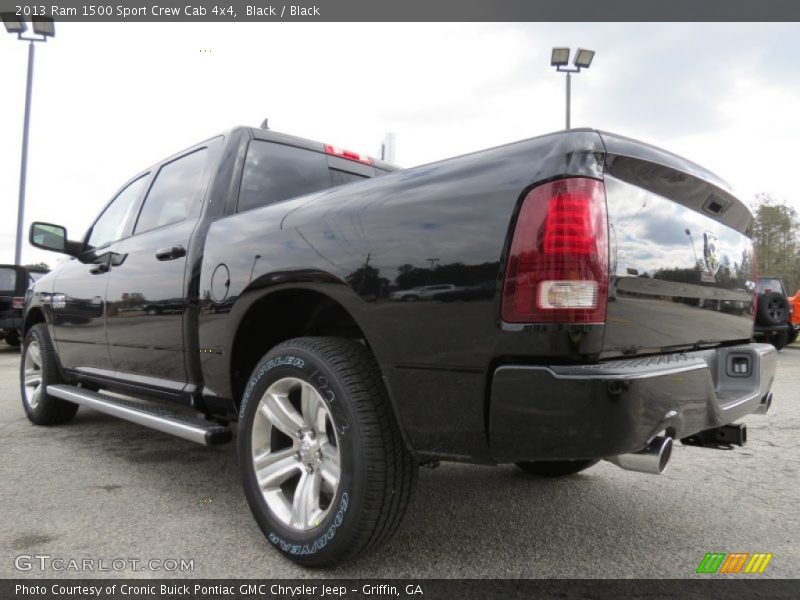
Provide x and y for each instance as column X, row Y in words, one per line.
column 194, row 429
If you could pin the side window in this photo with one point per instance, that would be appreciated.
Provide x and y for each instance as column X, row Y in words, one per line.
column 111, row 224
column 173, row 193
column 275, row 172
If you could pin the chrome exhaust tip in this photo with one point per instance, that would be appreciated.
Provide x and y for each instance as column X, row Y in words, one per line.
column 652, row 459
column 766, row 404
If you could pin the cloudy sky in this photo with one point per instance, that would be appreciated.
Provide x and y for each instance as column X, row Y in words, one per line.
column 112, row 98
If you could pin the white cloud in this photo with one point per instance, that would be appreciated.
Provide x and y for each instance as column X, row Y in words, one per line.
column 109, row 99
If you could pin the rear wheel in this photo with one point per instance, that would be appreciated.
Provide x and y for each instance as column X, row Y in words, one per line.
column 556, row 468
column 792, row 336
column 324, row 467
column 38, row 369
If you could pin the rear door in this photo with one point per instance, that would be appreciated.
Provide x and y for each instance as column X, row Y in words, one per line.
column 148, row 287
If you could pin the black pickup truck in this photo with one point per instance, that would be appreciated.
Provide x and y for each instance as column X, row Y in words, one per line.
column 244, row 286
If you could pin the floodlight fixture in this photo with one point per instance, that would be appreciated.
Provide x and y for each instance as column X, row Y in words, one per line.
column 13, row 23
column 44, row 26
column 583, row 58
column 559, row 57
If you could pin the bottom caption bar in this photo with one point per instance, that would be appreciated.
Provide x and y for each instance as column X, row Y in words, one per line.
column 428, row 589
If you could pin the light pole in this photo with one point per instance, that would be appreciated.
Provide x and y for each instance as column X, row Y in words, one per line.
column 560, row 59
column 44, row 28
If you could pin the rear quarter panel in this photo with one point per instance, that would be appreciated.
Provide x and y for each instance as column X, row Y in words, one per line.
column 446, row 222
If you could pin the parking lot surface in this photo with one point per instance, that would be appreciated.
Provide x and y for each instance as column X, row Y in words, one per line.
column 104, row 489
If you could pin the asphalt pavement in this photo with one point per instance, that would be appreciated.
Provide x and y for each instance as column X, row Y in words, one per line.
column 105, row 490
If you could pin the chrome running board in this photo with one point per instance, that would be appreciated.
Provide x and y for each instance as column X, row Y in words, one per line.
column 192, row 428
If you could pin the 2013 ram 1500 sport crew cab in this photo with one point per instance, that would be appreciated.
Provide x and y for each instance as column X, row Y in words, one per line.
column 241, row 282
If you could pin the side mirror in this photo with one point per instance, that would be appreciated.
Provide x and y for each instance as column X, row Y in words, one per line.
column 52, row 237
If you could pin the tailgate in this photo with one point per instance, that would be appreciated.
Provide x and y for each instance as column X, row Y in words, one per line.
column 681, row 260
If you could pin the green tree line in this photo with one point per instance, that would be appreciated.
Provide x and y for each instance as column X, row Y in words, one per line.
column 776, row 238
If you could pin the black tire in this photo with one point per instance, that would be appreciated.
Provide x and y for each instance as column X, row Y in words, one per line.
column 792, row 337
column 377, row 472
column 773, row 309
column 780, row 340
column 410, row 298
column 45, row 410
column 12, row 339
column 556, row 468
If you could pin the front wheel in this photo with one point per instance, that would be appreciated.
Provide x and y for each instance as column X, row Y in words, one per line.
column 325, row 470
column 38, row 369
column 556, row 468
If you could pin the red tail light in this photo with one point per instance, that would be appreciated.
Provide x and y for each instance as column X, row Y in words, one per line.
column 348, row 154
column 557, row 268
column 18, row 303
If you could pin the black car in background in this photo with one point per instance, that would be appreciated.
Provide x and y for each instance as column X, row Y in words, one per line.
column 14, row 280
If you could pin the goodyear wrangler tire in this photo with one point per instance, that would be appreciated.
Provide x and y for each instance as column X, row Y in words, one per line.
column 324, row 467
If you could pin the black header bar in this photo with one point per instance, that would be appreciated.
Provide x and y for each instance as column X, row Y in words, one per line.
column 410, row 10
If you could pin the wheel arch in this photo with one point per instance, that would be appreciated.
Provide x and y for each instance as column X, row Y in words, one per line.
column 35, row 315
column 282, row 314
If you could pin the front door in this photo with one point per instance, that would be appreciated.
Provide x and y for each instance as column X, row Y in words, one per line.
column 78, row 302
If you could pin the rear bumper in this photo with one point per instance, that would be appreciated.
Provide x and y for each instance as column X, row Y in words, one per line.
column 607, row 409
column 771, row 328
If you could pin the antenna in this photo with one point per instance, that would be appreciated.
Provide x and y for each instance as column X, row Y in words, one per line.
column 387, row 147
column 264, row 124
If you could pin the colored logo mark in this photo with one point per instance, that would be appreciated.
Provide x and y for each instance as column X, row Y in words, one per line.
column 734, row 562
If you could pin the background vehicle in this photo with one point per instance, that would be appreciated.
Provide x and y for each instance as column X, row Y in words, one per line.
column 794, row 303
column 482, row 291
column 774, row 314
column 14, row 280
column 425, row 292
column 337, row 392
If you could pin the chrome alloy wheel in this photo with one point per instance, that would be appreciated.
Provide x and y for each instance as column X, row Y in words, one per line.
column 33, row 374
column 296, row 454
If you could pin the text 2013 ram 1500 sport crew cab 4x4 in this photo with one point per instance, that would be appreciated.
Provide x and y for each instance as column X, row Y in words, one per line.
column 240, row 281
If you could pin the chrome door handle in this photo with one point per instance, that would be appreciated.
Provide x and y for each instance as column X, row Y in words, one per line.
column 171, row 253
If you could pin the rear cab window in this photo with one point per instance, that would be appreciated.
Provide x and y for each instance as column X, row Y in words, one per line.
column 275, row 171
